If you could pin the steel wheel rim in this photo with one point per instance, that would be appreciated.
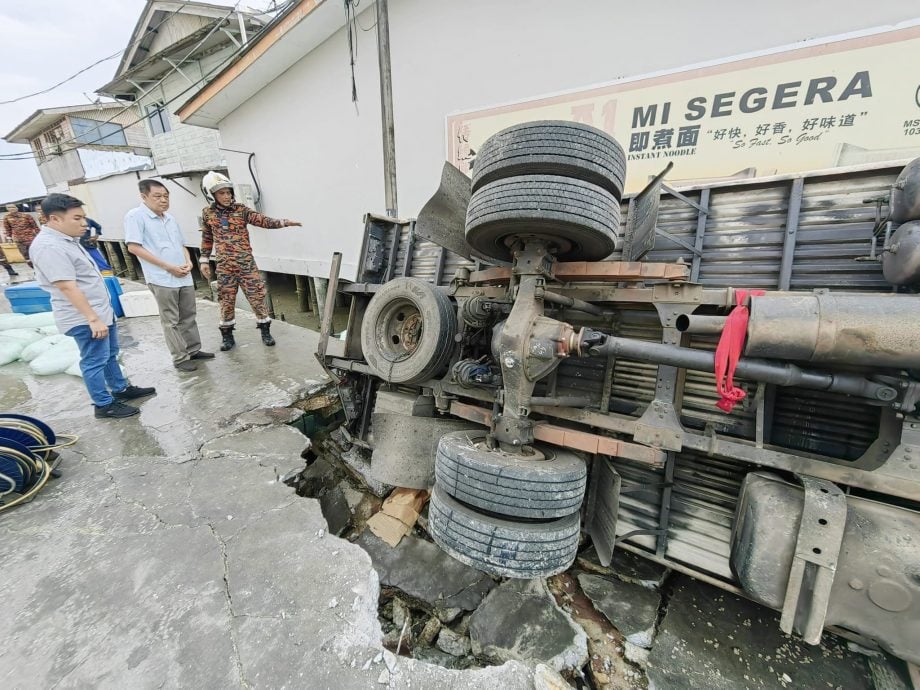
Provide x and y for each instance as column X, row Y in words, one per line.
column 399, row 330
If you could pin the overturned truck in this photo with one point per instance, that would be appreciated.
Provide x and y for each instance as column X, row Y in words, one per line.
column 723, row 379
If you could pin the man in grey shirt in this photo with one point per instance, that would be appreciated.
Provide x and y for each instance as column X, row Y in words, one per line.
column 154, row 237
column 81, row 305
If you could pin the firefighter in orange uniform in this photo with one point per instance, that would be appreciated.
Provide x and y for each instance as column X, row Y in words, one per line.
column 224, row 227
column 22, row 228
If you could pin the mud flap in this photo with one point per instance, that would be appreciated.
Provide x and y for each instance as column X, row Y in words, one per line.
column 602, row 507
column 442, row 219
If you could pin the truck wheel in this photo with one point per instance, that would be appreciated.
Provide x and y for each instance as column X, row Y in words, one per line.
column 579, row 218
column 499, row 546
column 547, row 484
column 551, row 147
column 408, row 330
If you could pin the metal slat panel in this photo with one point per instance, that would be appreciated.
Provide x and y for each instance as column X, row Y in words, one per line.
column 743, row 240
column 703, row 502
column 401, row 252
column 835, row 228
column 581, row 377
column 825, row 423
column 451, row 263
column 425, row 258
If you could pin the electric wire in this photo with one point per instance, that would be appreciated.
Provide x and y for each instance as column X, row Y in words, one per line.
column 99, row 61
column 31, row 156
column 178, row 96
column 173, row 68
column 351, row 35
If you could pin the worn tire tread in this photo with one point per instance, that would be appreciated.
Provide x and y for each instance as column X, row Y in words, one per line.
column 502, row 547
column 576, row 212
column 506, row 484
column 552, row 147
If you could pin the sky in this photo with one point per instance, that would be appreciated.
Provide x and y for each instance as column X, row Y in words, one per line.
column 45, row 41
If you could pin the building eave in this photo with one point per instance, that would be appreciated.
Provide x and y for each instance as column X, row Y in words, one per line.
column 152, row 68
column 41, row 119
column 139, row 34
column 283, row 42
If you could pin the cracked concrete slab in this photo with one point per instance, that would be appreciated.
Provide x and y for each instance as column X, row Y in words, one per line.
column 630, row 608
column 713, row 639
column 521, row 620
column 151, row 564
column 425, row 572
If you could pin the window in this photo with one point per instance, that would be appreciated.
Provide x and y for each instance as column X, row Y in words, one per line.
column 158, row 119
column 39, row 149
column 88, row 131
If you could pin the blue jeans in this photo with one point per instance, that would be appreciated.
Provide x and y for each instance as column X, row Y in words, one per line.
column 101, row 372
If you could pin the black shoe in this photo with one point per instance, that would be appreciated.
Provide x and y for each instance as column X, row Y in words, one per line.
column 266, row 334
column 116, row 410
column 226, row 333
column 187, row 365
column 9, row 269
column 201, row 354
column 134, row 392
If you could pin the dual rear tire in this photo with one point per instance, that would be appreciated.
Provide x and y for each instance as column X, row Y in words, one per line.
column 506, row 514
column 557, row 181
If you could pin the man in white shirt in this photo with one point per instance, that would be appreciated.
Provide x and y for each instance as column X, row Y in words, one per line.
column 154, row 237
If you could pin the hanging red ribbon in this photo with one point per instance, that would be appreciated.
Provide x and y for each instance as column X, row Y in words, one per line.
column 728, row 352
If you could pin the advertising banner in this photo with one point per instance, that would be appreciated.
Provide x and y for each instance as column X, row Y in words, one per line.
column 842, row 101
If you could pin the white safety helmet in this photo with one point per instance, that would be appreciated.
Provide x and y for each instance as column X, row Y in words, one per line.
column 215, row 181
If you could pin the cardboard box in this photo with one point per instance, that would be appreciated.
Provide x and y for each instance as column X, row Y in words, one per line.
column 398, row 514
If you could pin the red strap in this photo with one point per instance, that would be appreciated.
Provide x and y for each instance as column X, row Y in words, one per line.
column 728, row 352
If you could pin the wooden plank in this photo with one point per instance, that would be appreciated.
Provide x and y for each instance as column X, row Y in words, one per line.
column 620, row 271
column 571, row 438
column 596, row 270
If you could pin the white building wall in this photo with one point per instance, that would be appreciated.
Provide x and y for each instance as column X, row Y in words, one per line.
column 185, row 147
column 59, row 170
column 97, row 162
column 109, row 199
column 319, row 157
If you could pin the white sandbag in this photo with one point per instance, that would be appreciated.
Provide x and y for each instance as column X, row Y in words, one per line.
column 74, row 369
column 26, row 336
column 49, row 330
column 58, row 359
column 40, row 347
column 39, row 320
column 9, row 351
column 8, row 321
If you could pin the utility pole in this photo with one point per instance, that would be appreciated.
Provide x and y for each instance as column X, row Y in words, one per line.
column 386, row 107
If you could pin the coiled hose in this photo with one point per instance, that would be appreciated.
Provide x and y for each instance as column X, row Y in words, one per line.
column 27, row 457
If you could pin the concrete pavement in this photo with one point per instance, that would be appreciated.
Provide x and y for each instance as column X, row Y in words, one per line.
column 169, row 554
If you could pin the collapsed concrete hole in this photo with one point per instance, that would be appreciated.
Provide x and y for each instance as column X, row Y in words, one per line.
column 454, row 619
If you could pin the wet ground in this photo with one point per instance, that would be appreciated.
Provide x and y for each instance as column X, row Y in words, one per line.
column 288, row 305
column 169, row 554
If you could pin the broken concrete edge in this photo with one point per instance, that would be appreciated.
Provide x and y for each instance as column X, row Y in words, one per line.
column 360, row 640
column 360, row 643
column 486, row 636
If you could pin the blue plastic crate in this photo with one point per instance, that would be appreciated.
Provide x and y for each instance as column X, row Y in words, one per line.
column 27, row 298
